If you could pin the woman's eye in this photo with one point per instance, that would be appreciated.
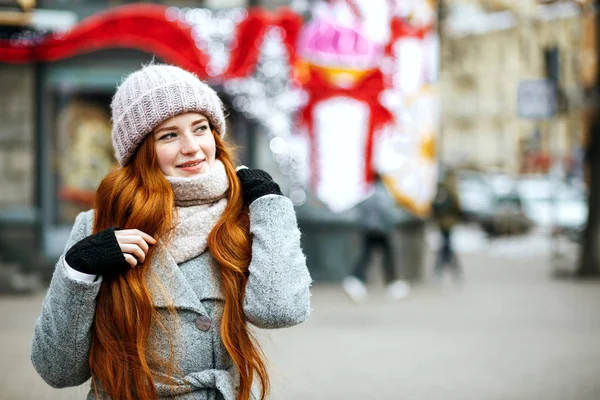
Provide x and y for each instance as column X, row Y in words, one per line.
column 167, row 136
column 202, row 128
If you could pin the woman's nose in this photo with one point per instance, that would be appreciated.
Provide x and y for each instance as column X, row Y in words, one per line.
column 189, row 144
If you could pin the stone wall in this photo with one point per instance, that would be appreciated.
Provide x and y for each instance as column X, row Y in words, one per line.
column 19, row 255
column 17, row 136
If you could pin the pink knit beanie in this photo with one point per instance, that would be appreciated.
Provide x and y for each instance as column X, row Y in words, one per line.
column 154, row 94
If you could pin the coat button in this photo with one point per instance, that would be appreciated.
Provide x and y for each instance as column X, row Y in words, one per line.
column 203, row 322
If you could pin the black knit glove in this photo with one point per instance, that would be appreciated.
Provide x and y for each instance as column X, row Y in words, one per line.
column 98, row 254
column 256, row 183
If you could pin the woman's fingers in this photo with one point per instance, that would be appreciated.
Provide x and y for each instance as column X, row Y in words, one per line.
column 134, row 240
column 134, row 245
column 134, row 250
column 136, row 232
column 131, row 260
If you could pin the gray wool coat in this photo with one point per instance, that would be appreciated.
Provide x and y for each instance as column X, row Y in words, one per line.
column 277, row 296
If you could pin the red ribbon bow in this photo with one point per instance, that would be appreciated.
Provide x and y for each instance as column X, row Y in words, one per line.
column 366, row 90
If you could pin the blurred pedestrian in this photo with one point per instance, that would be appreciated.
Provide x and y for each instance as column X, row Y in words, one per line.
column 153, row 296
column 377, row 222
column 447, row 212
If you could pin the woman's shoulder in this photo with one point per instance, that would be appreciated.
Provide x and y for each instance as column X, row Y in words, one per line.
column 84, row 222
column 85, row 216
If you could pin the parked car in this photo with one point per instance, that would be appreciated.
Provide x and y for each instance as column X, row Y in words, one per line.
column 492, row 201
column 476, row 196
column 555, row 205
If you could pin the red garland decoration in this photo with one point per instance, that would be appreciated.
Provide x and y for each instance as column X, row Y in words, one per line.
column 291, row 23
column 146, row 28
column 368, row 91
column 400, row 28
column 250, row 34
column 142, row 27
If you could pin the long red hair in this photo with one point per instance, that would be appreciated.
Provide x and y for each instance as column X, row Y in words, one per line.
column 138, row 196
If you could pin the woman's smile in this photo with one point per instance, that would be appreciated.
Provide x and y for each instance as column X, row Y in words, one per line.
column 191, row 166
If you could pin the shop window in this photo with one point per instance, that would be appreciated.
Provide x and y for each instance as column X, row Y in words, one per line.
column 83, row 151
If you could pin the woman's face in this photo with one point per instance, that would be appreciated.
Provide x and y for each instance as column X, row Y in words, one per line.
column 185, row 145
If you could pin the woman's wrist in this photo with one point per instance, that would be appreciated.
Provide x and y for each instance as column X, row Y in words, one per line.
column 97, row 254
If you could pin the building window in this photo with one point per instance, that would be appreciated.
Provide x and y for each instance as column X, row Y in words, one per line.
column 83, row 153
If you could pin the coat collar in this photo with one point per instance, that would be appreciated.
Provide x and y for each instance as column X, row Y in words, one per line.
column 185, row 285
column 168, row 285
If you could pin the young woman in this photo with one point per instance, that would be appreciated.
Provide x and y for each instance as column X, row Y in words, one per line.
column 158, row 283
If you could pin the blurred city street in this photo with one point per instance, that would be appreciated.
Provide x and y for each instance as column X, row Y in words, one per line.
column 511, row 331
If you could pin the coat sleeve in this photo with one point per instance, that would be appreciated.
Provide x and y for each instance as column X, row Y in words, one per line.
column 62, row 333
column 277, row 291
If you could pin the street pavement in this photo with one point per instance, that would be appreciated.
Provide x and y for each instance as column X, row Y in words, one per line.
column 510, row 332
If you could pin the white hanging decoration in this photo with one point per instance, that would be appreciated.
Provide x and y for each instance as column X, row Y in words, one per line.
column 214, row 34
column 268, row 97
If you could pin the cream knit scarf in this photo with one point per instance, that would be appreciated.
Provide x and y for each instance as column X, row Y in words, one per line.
column 200, row 202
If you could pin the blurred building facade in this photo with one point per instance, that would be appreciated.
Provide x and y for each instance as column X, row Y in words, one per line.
column 488, row 47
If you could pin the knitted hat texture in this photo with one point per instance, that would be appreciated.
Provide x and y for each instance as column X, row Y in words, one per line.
column 153, row 94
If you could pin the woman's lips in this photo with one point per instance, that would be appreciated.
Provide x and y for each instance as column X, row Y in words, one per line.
column 191, row 166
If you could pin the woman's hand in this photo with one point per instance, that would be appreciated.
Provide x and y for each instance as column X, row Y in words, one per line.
column 256, row 183
column 111, row 251
column 134, row 244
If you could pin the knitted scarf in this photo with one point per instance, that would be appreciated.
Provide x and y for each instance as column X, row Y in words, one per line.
column 200, row 202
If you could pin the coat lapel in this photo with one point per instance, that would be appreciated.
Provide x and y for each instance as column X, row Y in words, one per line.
column 176, row 289
column 202, row 275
